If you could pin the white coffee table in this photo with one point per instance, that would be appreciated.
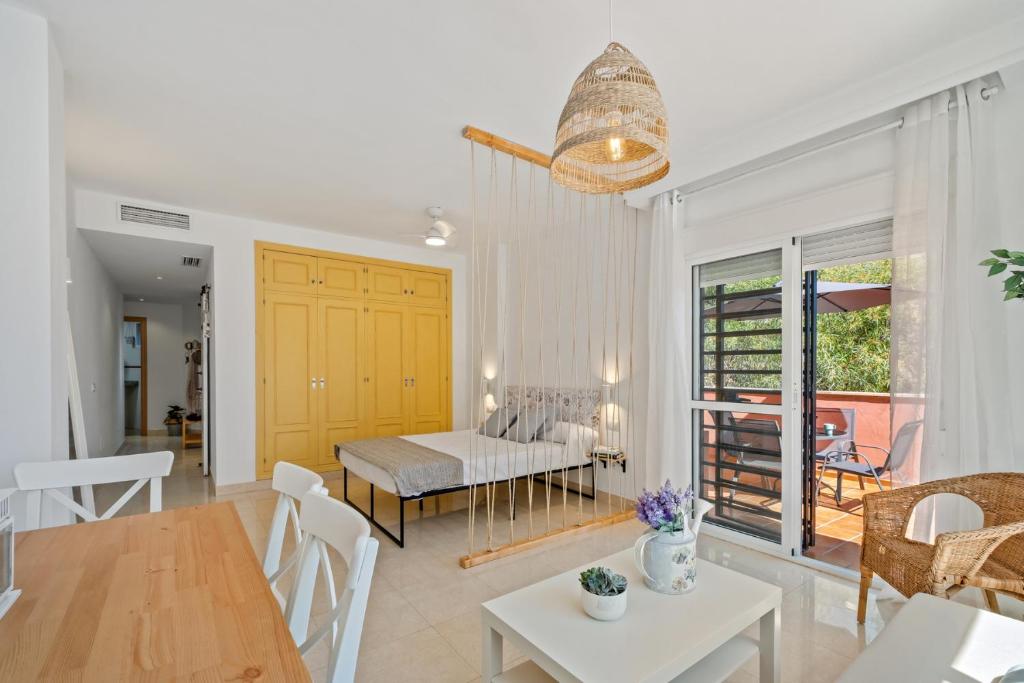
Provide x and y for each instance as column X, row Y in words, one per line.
column 934, row 639
column 659, row 638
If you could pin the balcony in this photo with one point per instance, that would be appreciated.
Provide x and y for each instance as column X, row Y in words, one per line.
column 743, row 475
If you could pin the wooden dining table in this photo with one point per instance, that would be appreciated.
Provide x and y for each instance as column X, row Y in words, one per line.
column 168, row 595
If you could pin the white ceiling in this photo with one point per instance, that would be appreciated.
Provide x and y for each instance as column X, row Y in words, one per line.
column 346, row 116
column 136, row 262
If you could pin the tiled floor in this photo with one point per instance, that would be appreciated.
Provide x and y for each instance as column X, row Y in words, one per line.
column 422, row 622
column 839, row 526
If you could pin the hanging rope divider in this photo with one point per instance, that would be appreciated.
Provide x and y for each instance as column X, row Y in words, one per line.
column 557, row 258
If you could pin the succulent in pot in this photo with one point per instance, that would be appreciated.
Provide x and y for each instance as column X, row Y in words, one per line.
column 603, row 593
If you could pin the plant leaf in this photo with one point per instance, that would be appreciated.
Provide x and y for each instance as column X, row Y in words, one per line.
column 1012, row 282
column 996, row 269
column 1012, row 295
column 1016, row 254
column 1001, row 253
column 989, row 262
column 1017, row 260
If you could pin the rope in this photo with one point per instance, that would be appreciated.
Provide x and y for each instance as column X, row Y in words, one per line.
column 564, row 284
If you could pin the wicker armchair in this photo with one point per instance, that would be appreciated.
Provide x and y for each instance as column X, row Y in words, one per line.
column 990, row 558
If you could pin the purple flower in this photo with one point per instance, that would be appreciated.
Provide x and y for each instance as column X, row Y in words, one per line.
column 664, row 509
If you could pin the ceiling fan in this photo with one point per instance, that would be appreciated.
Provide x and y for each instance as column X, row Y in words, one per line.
column 439, row 232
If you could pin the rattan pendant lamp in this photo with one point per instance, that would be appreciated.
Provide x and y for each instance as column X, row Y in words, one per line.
column 613, row 132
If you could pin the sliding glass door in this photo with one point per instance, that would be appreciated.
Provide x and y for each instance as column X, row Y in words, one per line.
column 740, row 429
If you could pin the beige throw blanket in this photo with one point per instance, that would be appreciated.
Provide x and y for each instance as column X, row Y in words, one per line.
column 415, row 468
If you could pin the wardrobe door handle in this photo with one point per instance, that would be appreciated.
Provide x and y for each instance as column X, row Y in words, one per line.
column 413, row 381
column 322, row 382
column 312, row 383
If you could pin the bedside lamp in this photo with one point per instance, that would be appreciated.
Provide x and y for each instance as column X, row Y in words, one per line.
column 488, row 388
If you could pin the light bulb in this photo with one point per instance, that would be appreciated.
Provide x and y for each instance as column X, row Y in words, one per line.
column 435, row 241
column 616, row 149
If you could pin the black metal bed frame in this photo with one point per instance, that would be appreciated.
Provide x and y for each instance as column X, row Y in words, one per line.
column 402, row 500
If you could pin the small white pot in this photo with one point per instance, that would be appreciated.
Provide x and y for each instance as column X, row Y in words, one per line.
column 604, row 607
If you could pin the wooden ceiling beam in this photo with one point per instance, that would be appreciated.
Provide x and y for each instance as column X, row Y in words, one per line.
column 502, row 145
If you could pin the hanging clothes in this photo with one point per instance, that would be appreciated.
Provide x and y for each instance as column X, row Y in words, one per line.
column 194, row 374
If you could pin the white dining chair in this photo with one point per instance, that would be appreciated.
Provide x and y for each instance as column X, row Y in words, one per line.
column 326, row 521
column 50, row 476
column 291, row 483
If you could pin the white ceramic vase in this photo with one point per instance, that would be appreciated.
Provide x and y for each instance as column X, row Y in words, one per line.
column 603, row 607
column 668, row 559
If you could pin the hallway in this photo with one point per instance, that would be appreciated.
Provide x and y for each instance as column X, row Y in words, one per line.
column 186, row 484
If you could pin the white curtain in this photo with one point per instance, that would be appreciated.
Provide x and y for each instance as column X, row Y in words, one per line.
column 950, row 347
column 669, row 448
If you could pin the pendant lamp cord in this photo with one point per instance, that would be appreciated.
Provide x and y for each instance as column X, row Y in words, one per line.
column 610, row 20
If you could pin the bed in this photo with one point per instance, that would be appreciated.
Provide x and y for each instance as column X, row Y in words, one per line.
column 480, row 459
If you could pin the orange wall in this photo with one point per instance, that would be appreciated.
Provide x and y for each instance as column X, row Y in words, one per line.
column 872, row 421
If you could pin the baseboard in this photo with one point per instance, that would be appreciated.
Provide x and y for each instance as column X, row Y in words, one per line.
column 244, row 487
column 263, row 484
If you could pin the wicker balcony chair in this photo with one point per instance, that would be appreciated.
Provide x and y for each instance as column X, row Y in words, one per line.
column 990, row 558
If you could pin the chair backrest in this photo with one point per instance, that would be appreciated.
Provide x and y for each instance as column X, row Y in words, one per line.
column 327, row 522
column 902, row 444
column 49, row 477
column 727, row 437
column 292, row 483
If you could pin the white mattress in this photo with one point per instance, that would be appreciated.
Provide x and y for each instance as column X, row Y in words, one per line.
column 485, row 458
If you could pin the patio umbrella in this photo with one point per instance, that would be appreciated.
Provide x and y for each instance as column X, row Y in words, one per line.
column 833, row 297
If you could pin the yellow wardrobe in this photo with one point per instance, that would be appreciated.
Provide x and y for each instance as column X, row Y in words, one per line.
column 346, row 348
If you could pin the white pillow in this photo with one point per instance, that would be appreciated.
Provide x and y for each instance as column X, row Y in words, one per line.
column 570, row 432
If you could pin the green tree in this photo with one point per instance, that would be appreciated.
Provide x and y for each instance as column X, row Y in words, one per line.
column 853, row 347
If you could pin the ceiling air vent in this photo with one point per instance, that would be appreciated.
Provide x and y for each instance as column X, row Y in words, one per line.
column 191, row 261
column 167, row 219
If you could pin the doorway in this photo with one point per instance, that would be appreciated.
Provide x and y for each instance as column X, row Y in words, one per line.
column 846, row 444
column 136, row 376
column 791, row 391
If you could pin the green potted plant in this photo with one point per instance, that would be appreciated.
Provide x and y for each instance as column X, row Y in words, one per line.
column 1013, row 285
column 603, row 593
column 173, row 420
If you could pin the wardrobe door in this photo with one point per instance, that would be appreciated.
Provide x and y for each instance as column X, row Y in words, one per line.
column 428, row 350
column 341, row 383
column 286, row 272
column 384, row 283
column 336, row 277
column 292, row 380
column 388, row 377
column 427, row 289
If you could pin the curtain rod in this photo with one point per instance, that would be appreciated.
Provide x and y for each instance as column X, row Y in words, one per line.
column 698, row 186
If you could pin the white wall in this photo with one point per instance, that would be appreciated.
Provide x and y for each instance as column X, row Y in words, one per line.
column 190, row 324
column 165, row 357
column 33, row 404
column 844, row 185
column 234, row 321
column 95, row 305
column 590, row 332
